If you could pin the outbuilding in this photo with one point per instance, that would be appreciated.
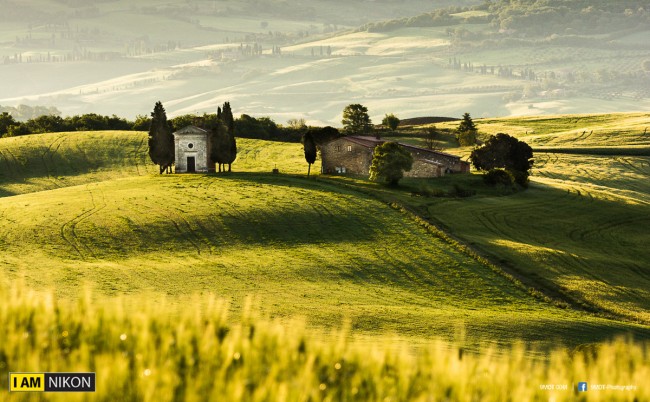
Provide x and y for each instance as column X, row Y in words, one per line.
column 353, row 155
column 192, row 149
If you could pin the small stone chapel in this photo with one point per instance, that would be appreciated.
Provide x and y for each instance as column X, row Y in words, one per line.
column 192, row 149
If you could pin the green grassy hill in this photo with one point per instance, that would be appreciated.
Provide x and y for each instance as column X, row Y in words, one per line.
column 299, row 246
column 581, row 227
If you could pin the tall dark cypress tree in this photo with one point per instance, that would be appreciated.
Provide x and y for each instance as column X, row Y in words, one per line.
column 310, row 150
column 161, row 140
column 229, row 122
column 219, row 145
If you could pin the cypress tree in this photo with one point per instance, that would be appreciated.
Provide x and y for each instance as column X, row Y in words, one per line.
column 309, row 146
column 220, row 145
column 161, row 140
column 229, row 122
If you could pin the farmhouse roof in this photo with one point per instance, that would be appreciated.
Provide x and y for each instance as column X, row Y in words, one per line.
column 371, row 142
column 190, row 130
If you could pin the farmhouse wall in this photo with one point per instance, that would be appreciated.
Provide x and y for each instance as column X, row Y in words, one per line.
column 423, row 168
column 450, row 161
column 344, row 156
column 353, row 155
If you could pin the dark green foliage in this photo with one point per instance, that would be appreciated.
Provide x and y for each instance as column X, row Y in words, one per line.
column 520, row 177
column 501, row 177
column 506, row 152
column 94, row 122
column 18, row 129
column 229, row 122
column 458, row 191
column 245, row 127
column 467, row 138
column 86, row 122
column 466, row 124
column 467, row 132
column 220, row 145
column 185, row 120
column 6, row 121
column 391, row 121
column 431, row 139
column 264, row 128
column 227, row 117
column 161, row 140
column 309, row 146
column 389, row 161
column 322, row 135
column 48, row 124
column 141, row 123
column 250, row 127
column 356, row 120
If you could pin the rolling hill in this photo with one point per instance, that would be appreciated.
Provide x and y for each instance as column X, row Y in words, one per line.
column 580, row 227
column 90, row 210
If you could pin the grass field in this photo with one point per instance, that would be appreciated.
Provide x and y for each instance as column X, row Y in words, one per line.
column 332, row 253
column 581, row 226
column 600, row 130
column 142, row 352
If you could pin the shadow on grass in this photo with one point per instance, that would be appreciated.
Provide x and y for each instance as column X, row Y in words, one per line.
column 548, row 236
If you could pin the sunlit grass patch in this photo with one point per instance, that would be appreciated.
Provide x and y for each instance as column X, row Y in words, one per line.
column 144, row 350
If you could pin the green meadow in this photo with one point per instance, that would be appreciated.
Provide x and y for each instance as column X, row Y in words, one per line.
column 410, row 276
column 87, row 208
column 580, row 229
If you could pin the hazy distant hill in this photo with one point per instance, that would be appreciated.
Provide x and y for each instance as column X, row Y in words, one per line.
column 292, row 59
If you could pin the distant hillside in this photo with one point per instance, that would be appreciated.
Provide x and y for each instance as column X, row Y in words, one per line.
column 534, row 17
column 415, row 121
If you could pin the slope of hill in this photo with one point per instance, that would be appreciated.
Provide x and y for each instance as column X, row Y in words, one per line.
column 581, row 226
column 299, row 246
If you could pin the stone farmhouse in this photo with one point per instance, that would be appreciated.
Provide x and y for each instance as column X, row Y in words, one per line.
column 353, row 155
column 192, row 149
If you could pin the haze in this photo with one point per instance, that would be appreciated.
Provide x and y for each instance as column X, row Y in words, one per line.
column 308, row 59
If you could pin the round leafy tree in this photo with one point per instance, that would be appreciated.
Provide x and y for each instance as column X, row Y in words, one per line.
column 389, row 162
column 356, row 120
column 391, row 121
column 506, row 152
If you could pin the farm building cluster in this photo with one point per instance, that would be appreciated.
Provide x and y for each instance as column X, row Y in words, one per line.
column 353, row 155
column 345, row 155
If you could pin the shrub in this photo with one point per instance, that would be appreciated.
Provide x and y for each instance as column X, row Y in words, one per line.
column 496, row 177
column 520, row 177
column 460, row 192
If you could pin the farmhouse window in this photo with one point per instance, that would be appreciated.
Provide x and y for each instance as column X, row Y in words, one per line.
column 349, row 148
column 338, row 148
column 190, row 145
